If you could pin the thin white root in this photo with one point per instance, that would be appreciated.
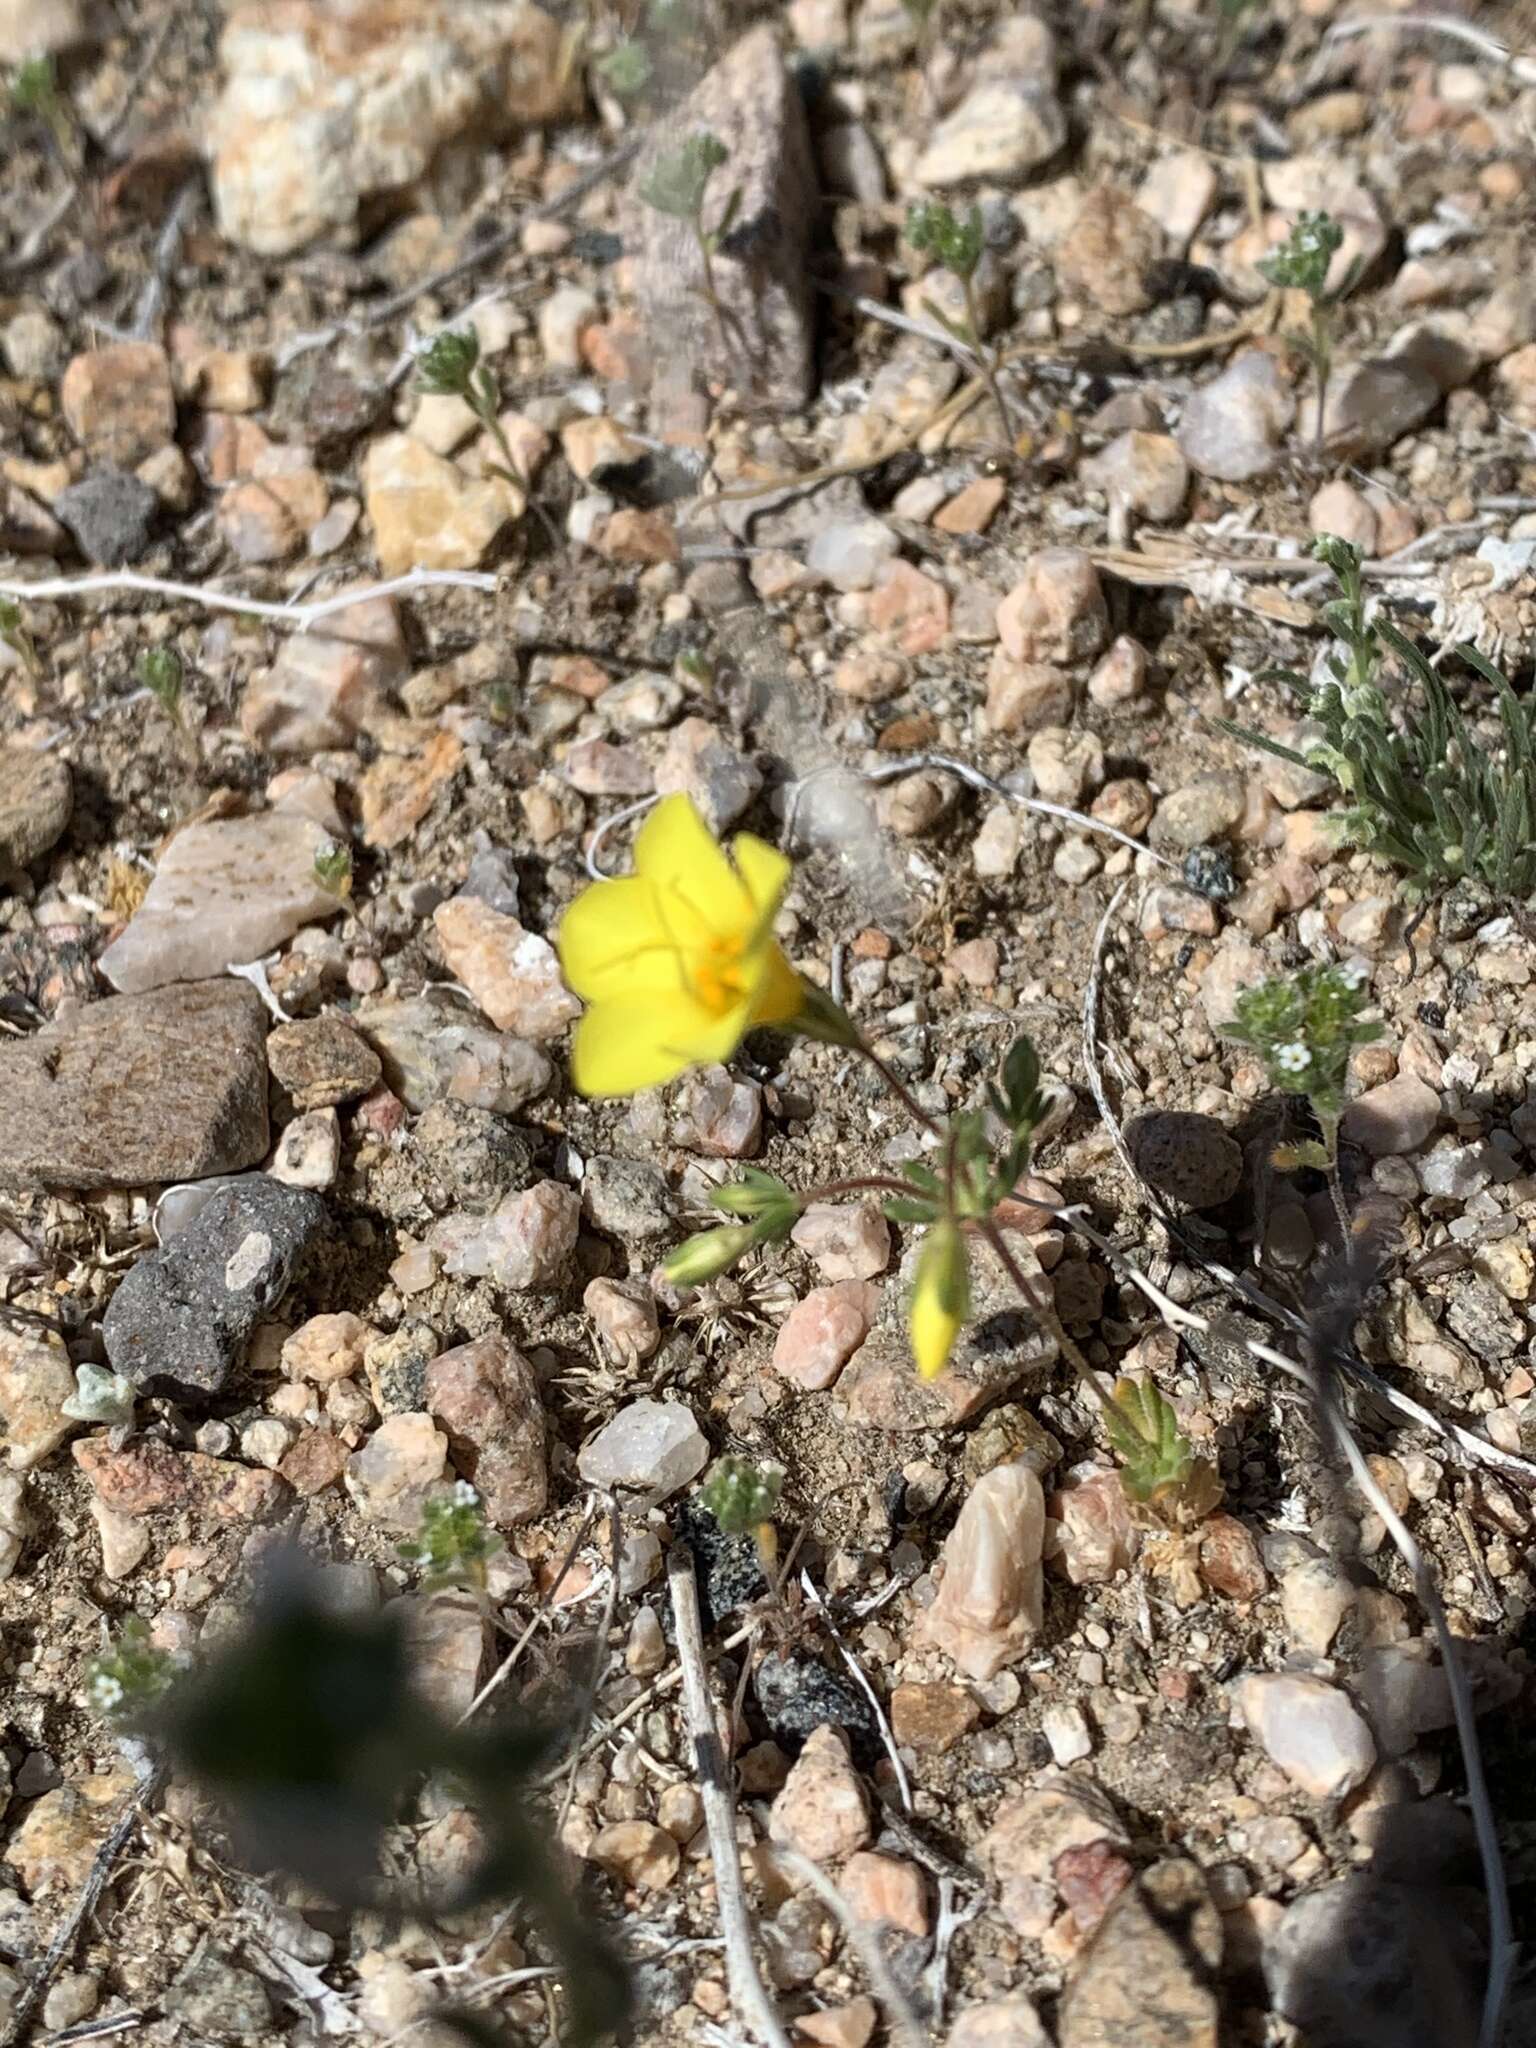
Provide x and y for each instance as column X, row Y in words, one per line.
column 70, row 589
column 748, row 1994
column 905, row 2027
column 1501, row 1952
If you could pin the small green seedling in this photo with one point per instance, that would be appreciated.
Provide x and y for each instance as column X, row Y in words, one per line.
column 17, row 635
column 1305, row 1028
column 1159, row 1470
column 1232, row 18
column 450, row 367
column 1302, row 264
column 676, row 185
column 743, row 1495
column 455, row 1542
column 626, row 70
column 125, row 1682
column 34, row 92
column 159, row 671
column 1422, row 790
column 957, row 244
column 333, row 868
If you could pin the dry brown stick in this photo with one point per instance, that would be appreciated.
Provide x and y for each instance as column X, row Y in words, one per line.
column 588, row 1707
column 86, row 1902
column 748, row 1994
column 508, row 1664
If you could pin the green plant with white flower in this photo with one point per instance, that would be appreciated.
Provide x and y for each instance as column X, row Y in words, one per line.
column 124, row 1682
column 1301, row 264
column 455, row 1542
column 1305, row 1028
column 1422, row 789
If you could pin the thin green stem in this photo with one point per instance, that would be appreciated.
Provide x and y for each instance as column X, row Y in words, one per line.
column 984, row 358
column 897, row 1087
column 859, row 1184
column 1047, row 1316
column 1322, row 359
column 707, row 256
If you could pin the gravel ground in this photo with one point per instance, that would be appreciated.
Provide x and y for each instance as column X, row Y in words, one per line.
column 288, row 1139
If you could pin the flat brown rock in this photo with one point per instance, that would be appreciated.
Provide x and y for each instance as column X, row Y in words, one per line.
column 167, row 1086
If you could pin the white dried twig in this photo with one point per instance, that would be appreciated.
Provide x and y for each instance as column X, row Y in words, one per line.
column 904, row 2025
column 70, row 589
column 1500, row 1939
column 903, row 1783
column 748, row 1994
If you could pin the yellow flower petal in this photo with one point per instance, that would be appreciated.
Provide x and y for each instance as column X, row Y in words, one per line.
column 780, row 993
column 676, row 854
column 611, row 942
column 764, row 870
column 615, row 1052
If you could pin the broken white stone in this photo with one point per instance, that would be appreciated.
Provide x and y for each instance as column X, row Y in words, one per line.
column 651, row 1448
column 1310, row 1729
column 990, row 1605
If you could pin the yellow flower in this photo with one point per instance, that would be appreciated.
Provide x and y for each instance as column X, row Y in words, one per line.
column 941, row 1299
column 676, row 962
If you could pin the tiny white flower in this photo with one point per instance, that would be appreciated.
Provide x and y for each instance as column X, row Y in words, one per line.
column 106, row 1691
column 464, row 1495
column 1293, row 1059
column 1355, row 973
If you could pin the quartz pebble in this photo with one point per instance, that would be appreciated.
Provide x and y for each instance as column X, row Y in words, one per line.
column 392, row 1475
column 637, row 1852
column 650, row 1449
column 226, row 891
column 311, row 131
column 1146, row 472
column 990, row 1604
column 524, row 1244
column 1233, row 426
column 512, row 973
column 1057, row 612
column 1394, row 1117
column 823, row 1810
column 624, row 1312
column 820, row 1334
column 845, row 1240
column 1010, row 2022
column 486, row 1396
column 1310, row 1729
column 36, row 1379
column 715, row 1113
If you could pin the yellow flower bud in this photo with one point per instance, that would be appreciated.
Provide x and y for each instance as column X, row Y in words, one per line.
column 708, row 1255
column 941, row 1299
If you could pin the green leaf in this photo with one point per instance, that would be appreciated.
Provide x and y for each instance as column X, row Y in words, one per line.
column 1021, row 1080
